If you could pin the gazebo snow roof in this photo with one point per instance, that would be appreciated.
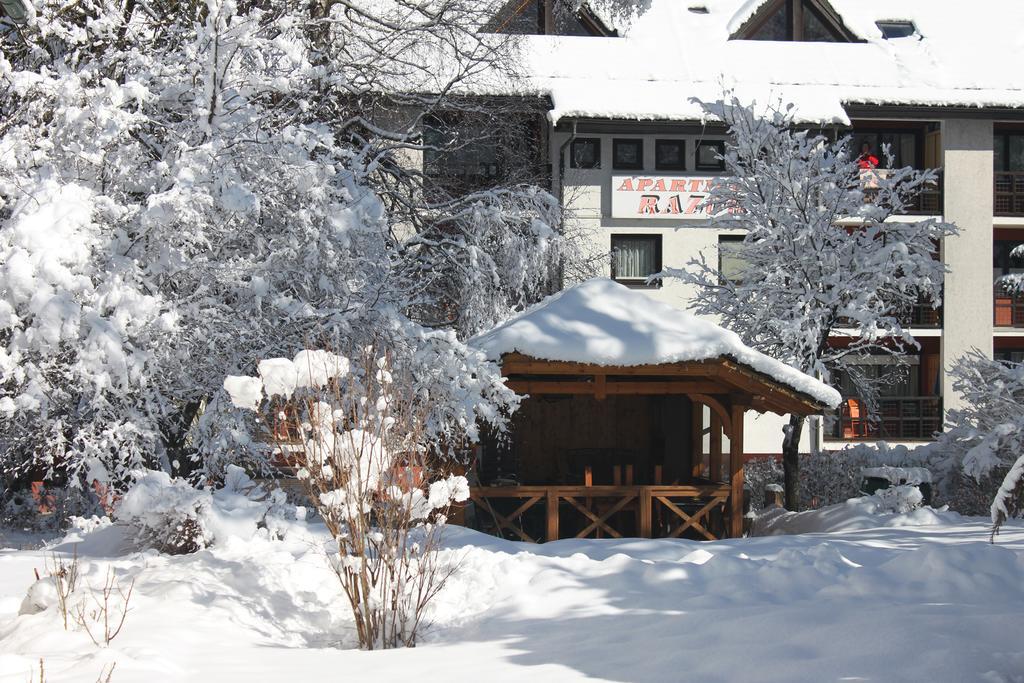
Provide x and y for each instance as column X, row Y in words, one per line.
column 602, row 323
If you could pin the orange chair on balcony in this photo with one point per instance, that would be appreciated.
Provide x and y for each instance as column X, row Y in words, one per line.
column 854, row 419
column 1004, row 310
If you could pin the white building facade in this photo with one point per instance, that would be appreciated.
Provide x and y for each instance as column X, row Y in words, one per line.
column 631, row 152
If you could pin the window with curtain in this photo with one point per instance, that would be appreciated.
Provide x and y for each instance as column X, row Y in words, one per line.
column 635, row 257
column 730, row 261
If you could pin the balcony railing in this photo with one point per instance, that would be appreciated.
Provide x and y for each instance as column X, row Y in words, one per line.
column 927, row 202
column 1009, row 193
column 910, row 418
column 922, row 315
column 1008, row 308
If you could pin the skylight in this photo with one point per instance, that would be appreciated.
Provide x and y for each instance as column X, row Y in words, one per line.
column 896, row 29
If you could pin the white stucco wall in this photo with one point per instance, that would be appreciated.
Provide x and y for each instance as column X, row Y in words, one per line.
column 967, row 168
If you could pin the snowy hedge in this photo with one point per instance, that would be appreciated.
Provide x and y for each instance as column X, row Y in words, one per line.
column 832, row 477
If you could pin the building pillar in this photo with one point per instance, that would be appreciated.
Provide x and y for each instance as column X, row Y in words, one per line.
column 967, row 293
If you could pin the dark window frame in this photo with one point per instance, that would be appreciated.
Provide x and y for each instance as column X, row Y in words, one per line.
column 899, row 24
column 1004, row 137
column 719, row 164
column 597, row 153
column 734, row 239
column 681, row 166
column 632, row 142
column 639, row 283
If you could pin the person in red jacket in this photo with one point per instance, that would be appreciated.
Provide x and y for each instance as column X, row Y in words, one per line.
column 867, row 160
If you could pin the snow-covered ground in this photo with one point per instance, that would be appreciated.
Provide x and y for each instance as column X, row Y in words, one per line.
column 915, row 597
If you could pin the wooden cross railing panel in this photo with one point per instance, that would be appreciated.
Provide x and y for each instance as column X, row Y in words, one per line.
column 598, row 506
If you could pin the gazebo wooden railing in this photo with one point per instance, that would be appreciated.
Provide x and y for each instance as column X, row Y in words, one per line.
column 666, row 504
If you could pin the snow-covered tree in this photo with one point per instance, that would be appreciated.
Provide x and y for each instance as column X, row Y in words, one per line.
column 819, row 253
column 987, row 434
column 188, row 187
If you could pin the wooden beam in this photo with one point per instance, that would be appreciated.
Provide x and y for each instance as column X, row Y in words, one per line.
column 716, row 449
column 717, row 408
column 551, row 497
column 736, row 472
column 696, row 437
column 772, row 395
column 600, row 387
column 538, row 387
column 518, row 364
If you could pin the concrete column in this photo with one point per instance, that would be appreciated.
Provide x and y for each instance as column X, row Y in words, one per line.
column 967, row 302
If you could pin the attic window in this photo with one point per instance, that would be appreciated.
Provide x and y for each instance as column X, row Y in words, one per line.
column 698, row 9
column 896, row 29
column 799, row 20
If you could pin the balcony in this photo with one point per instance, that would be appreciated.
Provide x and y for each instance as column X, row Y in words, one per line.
column 1008, row 308
column 922, row 315
column 1009, row 193
column 927, row 202
column 903, row 418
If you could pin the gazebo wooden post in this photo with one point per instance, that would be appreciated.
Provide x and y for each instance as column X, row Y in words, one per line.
column 736, row 470
column 696, row 438
column 552, row 515
column 716, row 448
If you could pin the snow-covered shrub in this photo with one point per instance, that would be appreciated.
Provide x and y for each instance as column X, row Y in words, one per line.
column 379, row 472
column 172, row 516
column 986, row 437
column 899, row 499
column 51, row 508
column 831, row 477
column 167, row 514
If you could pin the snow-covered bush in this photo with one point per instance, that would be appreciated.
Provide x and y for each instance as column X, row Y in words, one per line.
column 172, row 516
column 831, row 477
column 50, row 508
column 378, row 470
column 899, row 499
column 167, row 514
column 986, row 437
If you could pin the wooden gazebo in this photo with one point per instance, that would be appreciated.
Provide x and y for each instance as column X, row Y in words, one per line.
column 629, row 405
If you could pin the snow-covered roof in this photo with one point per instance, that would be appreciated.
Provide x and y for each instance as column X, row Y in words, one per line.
column 601, row 322
column 967, row 56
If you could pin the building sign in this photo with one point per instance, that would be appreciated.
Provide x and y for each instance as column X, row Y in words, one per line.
column 651, row 196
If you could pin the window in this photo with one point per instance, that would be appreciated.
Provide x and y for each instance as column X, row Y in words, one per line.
column 628, row 154
column 1004, row 260
column 801, row 20
column 730, row 261
column 670, row 155
column 816, row 29
column 635, row 257
column 1008, row 151
column 902, row 146
column 708, row 153
column 1009, row 356
column 463, row 153
column 775, row 26
column 586, row 153
column 896, row 29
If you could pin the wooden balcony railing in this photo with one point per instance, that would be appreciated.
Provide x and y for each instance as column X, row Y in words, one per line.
column 1008, row 308
column 1009, row 193
column 909, row 418
column 549, row 512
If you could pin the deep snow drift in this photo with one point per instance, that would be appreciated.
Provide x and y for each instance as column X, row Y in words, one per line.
column 920, row 596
